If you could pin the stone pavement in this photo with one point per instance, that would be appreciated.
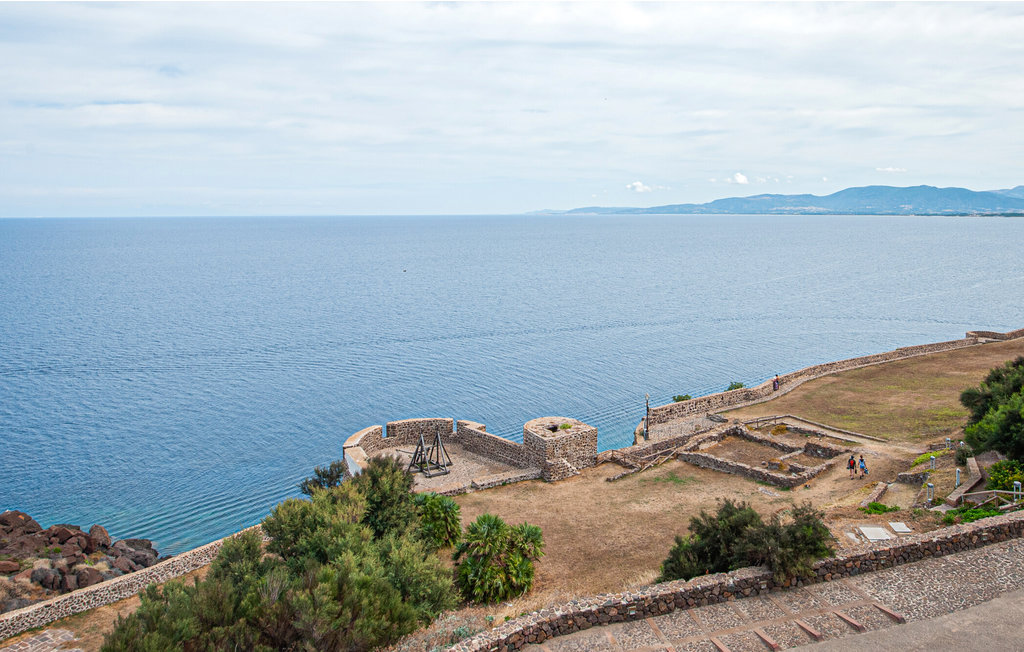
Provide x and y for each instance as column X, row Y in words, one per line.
column 46, row 641
column 827, row 611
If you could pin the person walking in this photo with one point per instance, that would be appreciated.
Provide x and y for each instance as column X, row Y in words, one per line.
column 863, row 467
column 852, row 465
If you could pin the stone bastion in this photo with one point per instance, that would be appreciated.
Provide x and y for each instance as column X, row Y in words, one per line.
column 553, row 448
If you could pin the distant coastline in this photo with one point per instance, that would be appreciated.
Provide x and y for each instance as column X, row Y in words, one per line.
column 865, row 200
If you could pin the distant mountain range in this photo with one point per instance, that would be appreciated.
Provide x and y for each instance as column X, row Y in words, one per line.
column 866, row 200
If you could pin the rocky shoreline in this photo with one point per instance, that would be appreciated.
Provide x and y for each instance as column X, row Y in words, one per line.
column 37, row 564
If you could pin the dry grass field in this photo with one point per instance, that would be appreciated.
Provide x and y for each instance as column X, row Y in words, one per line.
column 915, row 400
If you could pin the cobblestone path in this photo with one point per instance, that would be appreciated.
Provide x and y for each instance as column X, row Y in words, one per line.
column 50, row 639
column 819, row 612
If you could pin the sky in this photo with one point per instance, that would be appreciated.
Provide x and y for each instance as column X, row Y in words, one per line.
column 146, row 109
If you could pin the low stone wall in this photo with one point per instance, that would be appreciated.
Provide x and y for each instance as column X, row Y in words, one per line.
column 474, row 437
column 706, row 461
column 915, row 479
column 663, row 598
column 875, row 495
column 800, row 473
column 735, row 398
column 119, row 588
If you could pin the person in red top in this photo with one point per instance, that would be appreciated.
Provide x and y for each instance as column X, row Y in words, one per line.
column 852, row 465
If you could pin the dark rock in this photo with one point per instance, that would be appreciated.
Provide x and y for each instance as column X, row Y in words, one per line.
column 15, row 520
column 111, row 574
column 70, row 582
column 8, row 567
column 61, row 533
column 17, row 603
column 46, row 578
column 123, row 564
column 89, row 576
column 139, row 544
column 100, row 536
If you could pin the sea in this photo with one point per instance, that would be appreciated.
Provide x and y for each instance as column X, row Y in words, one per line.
column 175, row 378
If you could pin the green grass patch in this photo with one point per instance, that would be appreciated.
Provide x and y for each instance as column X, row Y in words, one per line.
column 921, row 459
column 968, row 514
column 879, row 508
column 673, row 478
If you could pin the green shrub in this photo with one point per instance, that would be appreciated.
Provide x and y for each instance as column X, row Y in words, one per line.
column 788, row 549
column 736, row 536
column 440, row 520
column 498, row 563
column 879, row 508
column 1000, row 384
column 1001, row 429
column 1001, row 475
column 565, row 426
column 325, row 477
column 387, row 487
column 962, row 453
column 329, row 582
column 734, row 385
column 968, row 514
column 681, row 397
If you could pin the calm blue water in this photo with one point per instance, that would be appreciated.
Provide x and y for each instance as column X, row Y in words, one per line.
column 175, row 378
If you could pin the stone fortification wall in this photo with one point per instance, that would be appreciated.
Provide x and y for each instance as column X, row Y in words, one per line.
column 407, row 431
column 992, row 335
column 723, row 400
column 560, row 453
column 97, row 595
column 474, row 437
column 663, row 598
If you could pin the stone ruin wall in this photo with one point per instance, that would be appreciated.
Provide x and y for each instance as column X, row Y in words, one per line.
column 692, row 454
column 722, row 400
column 666, row 597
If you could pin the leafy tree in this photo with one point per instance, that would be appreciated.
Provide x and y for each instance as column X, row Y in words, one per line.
column 1001, row 429
column 734, row 385
column 498, row 562
column 681, row 397
column 440, row 520
column 325, row 477
column 1000, row 384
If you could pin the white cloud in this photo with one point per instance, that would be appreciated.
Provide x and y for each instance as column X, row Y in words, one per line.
column 313, row 100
